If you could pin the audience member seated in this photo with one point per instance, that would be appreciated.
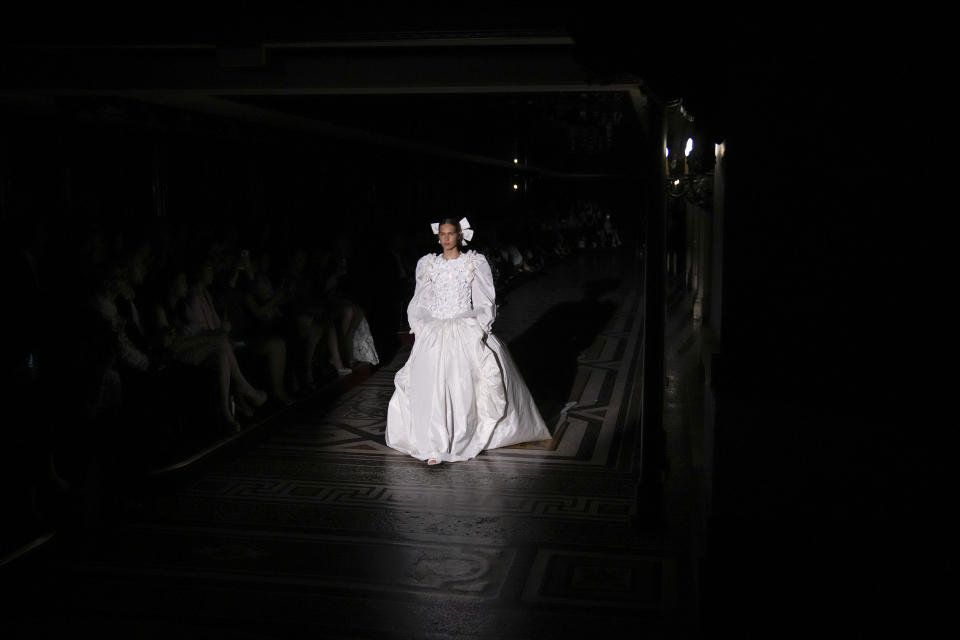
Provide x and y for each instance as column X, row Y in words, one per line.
column 194, row 335
column 132, row 274
column 611, row 236
column 96, row 445
column 111, row 346
column 132, row 302
column 260, row 322
column 268, row 313
column 350, row 341
column 312, row 320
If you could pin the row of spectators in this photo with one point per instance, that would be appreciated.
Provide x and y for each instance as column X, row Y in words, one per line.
column 524, row 245
column 127, row 343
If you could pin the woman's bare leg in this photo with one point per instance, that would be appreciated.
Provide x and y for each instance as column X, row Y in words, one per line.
column 255, row 396
column 275, row 351
column 346, row 329
column 311, row 334
column 220, row 363
column 334, row 349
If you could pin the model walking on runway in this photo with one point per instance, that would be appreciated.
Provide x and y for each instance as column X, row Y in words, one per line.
column 459, row 392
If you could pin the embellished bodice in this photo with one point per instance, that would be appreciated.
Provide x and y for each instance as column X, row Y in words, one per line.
column 448, row 289
column 452, row 280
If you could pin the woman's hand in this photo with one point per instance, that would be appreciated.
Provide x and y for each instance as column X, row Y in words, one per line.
column 215, row 339
column 475, row 323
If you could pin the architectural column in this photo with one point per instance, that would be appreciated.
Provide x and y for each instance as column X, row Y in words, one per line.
column 652, row 454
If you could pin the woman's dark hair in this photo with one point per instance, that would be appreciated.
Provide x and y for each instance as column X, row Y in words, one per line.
column 456, row 224
column 193, row 265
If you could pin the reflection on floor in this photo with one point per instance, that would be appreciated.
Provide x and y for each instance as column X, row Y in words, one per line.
column 318, row 529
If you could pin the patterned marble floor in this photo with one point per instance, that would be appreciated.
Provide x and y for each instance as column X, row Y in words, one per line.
column 318, row 529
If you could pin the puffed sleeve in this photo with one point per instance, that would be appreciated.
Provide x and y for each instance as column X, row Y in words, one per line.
column 417, row 310
column 484, row 294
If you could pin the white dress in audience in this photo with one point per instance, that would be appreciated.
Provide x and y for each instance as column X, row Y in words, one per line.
column 363, row 347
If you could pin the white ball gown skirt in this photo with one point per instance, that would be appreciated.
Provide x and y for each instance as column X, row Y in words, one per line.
column 458, row 394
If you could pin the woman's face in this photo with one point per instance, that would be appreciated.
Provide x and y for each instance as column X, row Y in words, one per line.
column 448, row 236
column 178, row 286
column 137, row 271
column 206, row 274
column 298, row 261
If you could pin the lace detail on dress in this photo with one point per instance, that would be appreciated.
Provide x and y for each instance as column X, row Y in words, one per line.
column 363, row 347
column 451, row 286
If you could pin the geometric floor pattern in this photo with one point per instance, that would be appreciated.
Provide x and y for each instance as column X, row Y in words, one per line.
column 319, row 530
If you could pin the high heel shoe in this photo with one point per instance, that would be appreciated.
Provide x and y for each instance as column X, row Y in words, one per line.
column 231, row 425
column 244, row 409
column 341, row 371
column 257, row 397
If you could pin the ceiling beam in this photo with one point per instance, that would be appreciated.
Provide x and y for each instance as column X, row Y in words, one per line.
column 259, row 115
column 201, row 77
column 304, row 69
column 373, row 41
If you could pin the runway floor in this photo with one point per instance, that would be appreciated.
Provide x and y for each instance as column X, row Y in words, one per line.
column 315, row 528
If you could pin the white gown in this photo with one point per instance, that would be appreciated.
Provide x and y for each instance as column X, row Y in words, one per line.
column 459, row 391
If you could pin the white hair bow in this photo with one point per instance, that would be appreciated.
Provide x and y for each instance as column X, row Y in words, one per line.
column 464, row 228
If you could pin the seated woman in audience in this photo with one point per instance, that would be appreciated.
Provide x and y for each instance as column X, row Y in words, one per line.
column 194, row 335
column 110, row 348
column 262, row 321
column 312, row 317
column 352, row 343
column 133, row 293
